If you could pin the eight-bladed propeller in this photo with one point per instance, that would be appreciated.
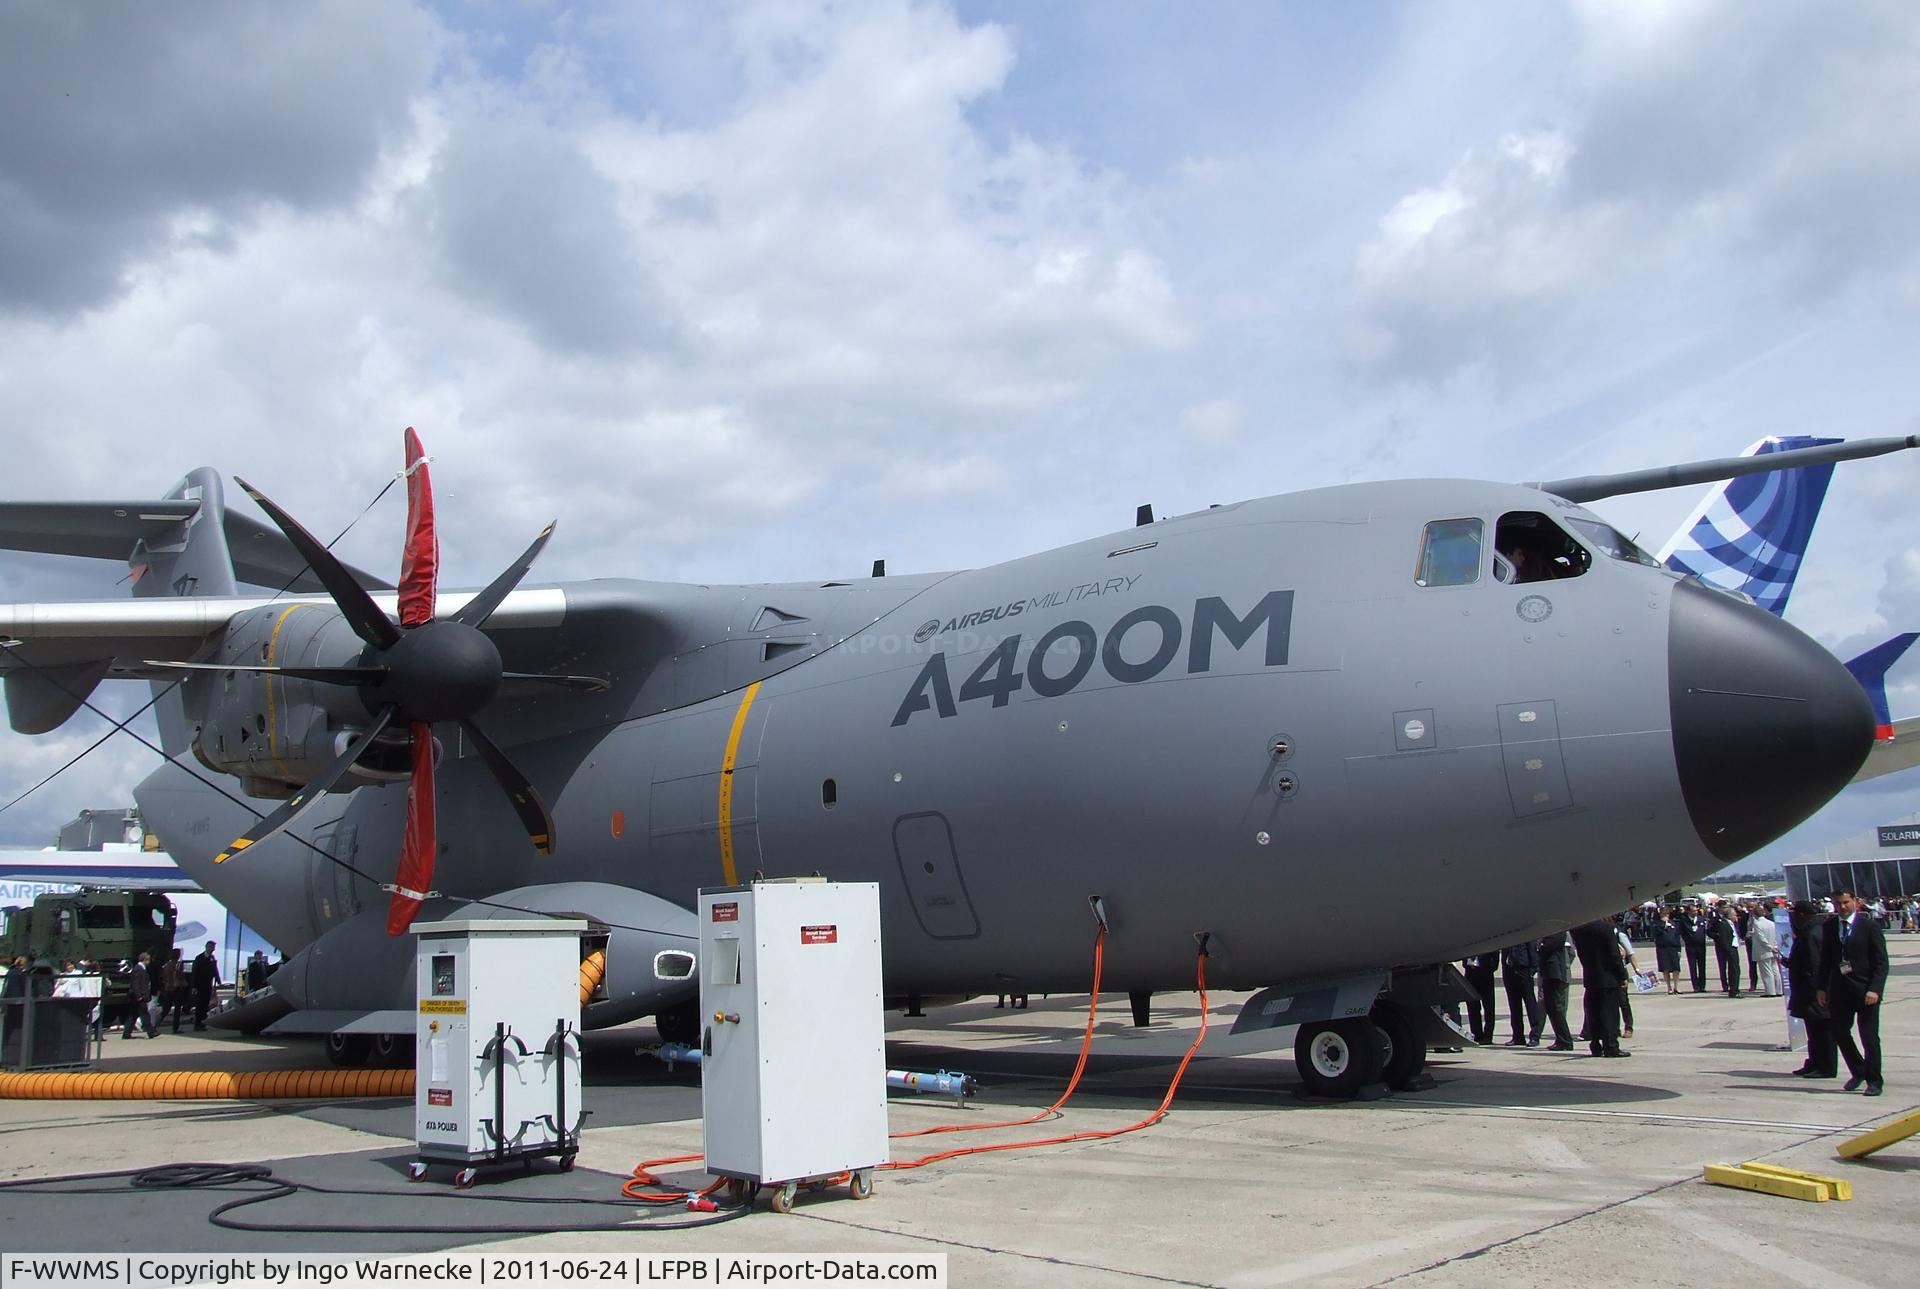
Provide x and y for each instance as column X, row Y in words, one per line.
column 420, row 671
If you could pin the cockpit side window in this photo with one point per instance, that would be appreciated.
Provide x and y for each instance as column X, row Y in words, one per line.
column 1611, row 542
column 1529, row 547
column 1450, row 553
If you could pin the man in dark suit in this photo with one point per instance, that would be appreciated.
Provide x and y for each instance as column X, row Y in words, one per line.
column 1482, row 1015
column 1854, row 976
column 1556, row 975
column 1693, row 934
column 1603, row 973
column 1519, row 963
column 1726, row 954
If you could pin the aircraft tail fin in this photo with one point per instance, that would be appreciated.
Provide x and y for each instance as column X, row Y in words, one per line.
column 1751, row 533
column 190, row 557
column 1870, row 669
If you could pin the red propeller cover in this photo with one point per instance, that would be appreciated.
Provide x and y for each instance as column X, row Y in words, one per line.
column 420, row 560
column 415, row 878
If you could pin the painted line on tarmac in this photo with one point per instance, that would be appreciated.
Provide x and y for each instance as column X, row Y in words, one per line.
column 1816, row 1128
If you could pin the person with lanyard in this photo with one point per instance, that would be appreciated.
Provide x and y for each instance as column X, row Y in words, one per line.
column 1853, row 976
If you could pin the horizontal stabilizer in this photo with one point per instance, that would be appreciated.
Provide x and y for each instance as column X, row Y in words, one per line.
column 111, row 529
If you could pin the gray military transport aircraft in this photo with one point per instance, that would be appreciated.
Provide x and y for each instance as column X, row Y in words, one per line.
column 1222, row 732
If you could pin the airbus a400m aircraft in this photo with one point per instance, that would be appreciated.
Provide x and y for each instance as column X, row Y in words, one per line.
column 1224, row 725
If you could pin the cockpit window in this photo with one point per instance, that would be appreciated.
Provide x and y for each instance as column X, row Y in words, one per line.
column 1529, row 547
column 1611, row 542
column 1450, row 553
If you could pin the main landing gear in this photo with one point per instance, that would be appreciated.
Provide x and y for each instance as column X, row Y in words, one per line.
column 1340, row 1059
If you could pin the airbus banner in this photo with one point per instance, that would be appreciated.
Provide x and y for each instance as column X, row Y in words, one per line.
column 1900, row 834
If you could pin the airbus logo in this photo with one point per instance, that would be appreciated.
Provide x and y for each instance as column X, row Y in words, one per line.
column 927, row 631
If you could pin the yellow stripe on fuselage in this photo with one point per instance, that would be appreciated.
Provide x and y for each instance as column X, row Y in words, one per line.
column 273, row 724
column 726, row 784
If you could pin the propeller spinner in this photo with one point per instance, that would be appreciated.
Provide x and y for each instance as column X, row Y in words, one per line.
column 420, row 672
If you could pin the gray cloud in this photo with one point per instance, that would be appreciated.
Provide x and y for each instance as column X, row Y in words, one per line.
column 523, row 221
column 1770, row 143
column 116, row 120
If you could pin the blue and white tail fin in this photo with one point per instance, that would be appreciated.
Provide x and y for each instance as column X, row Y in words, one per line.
column 1751, row 533
column 1870, row 669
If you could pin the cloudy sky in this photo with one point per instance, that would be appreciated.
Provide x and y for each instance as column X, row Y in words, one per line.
column 765, row 291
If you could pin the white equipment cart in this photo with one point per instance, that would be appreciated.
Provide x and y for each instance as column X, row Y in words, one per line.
column 793, row 1068
column 498, row 1043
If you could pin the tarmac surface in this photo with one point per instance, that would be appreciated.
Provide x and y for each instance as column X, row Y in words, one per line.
column 1516, row 1167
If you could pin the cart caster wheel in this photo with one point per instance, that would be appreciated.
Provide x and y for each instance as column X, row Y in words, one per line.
column 567, row 1162
column 861, row 1185
column 466, row 1177
column 815, row 1187
column 416, row 1172
column 783, row 1197
column 738, row 1192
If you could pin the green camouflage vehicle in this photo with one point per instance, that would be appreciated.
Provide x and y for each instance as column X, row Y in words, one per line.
column 110, row 927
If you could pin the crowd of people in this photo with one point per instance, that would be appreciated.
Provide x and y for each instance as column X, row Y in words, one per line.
column 177, row 989
column 1833, row 975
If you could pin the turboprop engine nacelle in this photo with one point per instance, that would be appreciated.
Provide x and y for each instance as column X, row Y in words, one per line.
column 275, row 732
column 357, row 965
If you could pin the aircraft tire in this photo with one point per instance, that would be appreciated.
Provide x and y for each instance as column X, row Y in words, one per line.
column 1406, row 1057
column 1339, row 1057
column 679, row 1023
column 391, row 1051
column 349, row 1049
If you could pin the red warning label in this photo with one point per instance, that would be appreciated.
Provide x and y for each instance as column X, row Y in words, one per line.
column 728, row 912
column 439, row 1096
column 819, row 934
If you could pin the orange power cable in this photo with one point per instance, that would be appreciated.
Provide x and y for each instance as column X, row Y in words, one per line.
column 1166, row 1102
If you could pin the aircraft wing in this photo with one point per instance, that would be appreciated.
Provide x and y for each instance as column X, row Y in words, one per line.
column 127, row 634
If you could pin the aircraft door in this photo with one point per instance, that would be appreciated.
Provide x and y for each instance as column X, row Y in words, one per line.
column 923, row 844
column 1530, row 747
column 331, row 893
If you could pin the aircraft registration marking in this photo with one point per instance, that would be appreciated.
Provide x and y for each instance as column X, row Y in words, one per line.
column 726, row 784
column 1000, row 675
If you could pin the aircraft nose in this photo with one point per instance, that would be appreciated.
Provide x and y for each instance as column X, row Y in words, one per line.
column 1767, row 725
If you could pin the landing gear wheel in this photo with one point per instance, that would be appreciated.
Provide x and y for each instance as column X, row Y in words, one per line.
column 1339, row 1057
column 466, row 1177
column 783, row 1197
column 679, row 1023
column 348, row 1049
column 416, row 1171
column 861, row 1186
column 1406, row 1056
column 391, row 1051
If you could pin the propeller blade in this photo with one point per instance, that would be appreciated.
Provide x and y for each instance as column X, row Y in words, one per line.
column 325, row 675
column 475, row 612
column 420, row 558
column 362, row 614
column 312, row 792
column 585, row 684
column 526, row 799
column 414, row 880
